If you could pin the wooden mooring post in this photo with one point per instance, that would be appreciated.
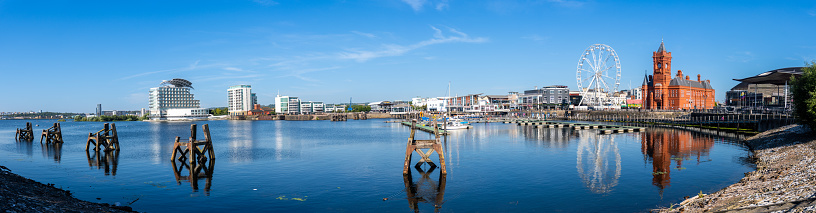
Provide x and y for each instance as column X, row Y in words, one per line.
column 25, row 134
column 52, row 135
column 106, row 138
column 418, row 146
column 199, row 150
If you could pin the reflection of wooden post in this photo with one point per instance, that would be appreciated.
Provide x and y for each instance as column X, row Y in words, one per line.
column 415, row 194
column 194, row 173
column 419, row 145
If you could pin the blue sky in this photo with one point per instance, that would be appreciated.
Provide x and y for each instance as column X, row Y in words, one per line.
column 67, row 56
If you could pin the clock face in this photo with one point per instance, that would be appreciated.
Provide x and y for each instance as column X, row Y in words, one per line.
column 659, row 66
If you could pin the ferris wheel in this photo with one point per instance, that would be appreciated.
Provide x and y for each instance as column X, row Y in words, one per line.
column 599, row 70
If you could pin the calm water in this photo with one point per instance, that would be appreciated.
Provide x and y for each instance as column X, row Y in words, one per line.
column 321, row 166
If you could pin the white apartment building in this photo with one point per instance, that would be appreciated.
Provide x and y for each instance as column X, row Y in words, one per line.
column 172, row 94
column 240, row 99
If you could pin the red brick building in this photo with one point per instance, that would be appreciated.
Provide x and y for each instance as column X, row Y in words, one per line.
column 661, row 91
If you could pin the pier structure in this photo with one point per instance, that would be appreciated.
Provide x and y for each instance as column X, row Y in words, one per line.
column 719, row 122
column 106, row 138
column 198, row 150
column 52, row 134
column 26, row 134
column 432, row 145
column 338, row 117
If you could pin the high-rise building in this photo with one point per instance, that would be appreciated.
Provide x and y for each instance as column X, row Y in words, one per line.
column 98, row 109
column 240, row 99
column 173, row 94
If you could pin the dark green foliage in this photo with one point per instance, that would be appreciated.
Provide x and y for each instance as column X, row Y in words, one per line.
column 219, row 111
column 803, row 90
column 105, row 118
column 360, row 108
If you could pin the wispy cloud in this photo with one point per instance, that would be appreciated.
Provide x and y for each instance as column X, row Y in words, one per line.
column 567, row 3
column 396, row 50
column 812, row 12
column 442, row 5
column 266, row 2
column 415, row 4
column 225, row 76
column 536, row 38
column 192, row 66
column 741, row 57
column 298, row 73
column 368, row 35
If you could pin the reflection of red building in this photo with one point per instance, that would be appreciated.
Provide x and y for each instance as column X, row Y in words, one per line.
column 663, row 146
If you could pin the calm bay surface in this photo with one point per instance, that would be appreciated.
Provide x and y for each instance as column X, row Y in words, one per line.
column 320, row 166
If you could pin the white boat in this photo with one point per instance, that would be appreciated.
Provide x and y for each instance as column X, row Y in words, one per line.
column 454, row 124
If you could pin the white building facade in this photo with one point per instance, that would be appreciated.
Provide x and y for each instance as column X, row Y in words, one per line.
column 173, row 94
column 240, row 99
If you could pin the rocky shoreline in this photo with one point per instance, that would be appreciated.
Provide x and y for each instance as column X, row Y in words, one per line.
column 785, row 179
column 20, row 194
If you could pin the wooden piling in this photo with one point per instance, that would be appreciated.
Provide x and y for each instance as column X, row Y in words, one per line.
column 420, row 146
column 106, row 138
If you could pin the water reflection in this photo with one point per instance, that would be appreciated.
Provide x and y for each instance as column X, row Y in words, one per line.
column 425, row 190
column 599, row 161
column 52, row 150
column 25, row 147
column 548, row 137
column 662, row 146
column 241, row 142
column 99, row 159
column 198, row 171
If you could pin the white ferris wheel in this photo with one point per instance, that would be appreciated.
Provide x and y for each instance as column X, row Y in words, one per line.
column 598, row 75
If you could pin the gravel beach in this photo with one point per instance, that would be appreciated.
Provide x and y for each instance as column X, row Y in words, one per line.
column 785, row 179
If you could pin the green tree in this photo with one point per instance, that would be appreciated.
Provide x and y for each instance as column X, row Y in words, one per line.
column 803, row 90
column 360, row 108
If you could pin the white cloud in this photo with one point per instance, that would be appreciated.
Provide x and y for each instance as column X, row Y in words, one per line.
column 266, row 2
column 442, row 5
column 396, row 50
column 741, row 57
column 415, row 4
column 192, row 66
column 368, row 35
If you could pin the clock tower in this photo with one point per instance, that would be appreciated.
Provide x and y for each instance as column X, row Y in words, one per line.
column 662, row 66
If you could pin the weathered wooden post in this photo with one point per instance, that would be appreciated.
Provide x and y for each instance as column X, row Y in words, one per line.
column 199, row 150
column 25, row 134
column 52, row 135
column 419, row 145
column 107, row 138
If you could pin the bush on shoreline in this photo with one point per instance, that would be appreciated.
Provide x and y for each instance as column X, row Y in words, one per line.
column 803, row 90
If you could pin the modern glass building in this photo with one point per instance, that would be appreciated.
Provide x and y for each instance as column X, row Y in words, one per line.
column 172, row 94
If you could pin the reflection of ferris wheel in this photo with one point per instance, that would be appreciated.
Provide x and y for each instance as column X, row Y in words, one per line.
column 599, row 163
column 595, row 66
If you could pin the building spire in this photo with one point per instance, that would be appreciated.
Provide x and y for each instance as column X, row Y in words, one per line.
column 662, row 48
